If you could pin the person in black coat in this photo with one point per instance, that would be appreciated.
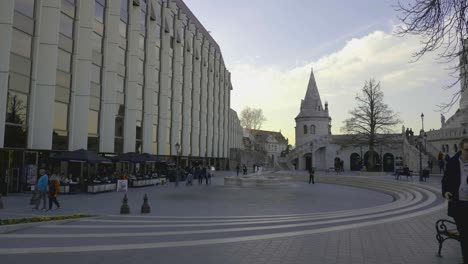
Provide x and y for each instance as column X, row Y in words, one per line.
column 455, row 190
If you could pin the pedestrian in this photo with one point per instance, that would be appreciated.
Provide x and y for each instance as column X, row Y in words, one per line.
column 245, row 169
column 237, row 169
column 53, row 192
column 189, row 179
column 42, row 185
column 429, row 165
column 441, row 166
column 455, row 190
column 311, row 175
column 341, row 165
column 202, row 175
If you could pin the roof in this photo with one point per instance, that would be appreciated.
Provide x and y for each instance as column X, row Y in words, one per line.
column 262, row 136
column 311, row 105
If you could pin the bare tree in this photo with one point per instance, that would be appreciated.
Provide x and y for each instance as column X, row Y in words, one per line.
column 252, row 118
column 370, row 117
column 443, row 26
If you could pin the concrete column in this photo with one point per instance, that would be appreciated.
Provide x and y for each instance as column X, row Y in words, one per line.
column 210, row 120
column 204, row 99
column 165, row 79
column 44, row 66
column 222, row 118
column 177, row 82
column 7, row 8
column 110, row 69
column 81, row 76
column 187, row 91
column 196, row 82
column 157, row 67
column 131, row 83
column 150, row 82
column 216, row 105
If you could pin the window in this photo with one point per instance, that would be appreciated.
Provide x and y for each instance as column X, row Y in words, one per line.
column 305, row 129
column 93, row 118
column 64, row 60
column 60, row 120
column 66, row 25
column 25, row 7
column 99, row 11
column 312, row 129
column 17, row 104
column 21, row 43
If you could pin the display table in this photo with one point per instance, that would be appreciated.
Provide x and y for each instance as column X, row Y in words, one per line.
column 102, row 187
column 64, row 189
column 144, row 182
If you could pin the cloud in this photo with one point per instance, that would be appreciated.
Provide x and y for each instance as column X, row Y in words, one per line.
column 409, row 87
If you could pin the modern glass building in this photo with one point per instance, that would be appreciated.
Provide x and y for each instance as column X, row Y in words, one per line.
column 112, row 76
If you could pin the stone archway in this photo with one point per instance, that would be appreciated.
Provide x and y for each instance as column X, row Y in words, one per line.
column 308, row 162
column 376, row 161
column 388, row 162
column 355, row 162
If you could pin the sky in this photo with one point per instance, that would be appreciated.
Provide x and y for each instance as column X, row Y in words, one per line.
column 271, row 46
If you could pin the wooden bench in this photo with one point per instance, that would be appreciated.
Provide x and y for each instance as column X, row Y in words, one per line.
column 444, row 233
column 402, row 172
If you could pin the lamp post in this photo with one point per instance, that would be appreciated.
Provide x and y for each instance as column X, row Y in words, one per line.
column 422, row 121
column 420, row 139
column 177, row 146
column 425, row 142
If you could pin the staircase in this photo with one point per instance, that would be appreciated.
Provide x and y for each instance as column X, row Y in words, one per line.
column 411, row 155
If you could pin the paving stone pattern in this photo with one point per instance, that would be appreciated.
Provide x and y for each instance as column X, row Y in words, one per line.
column 333, row 221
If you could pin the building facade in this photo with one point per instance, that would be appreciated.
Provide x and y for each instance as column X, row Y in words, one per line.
column 112, row 76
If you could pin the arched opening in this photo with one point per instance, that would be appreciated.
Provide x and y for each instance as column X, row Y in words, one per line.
column 388, row 162
column 308, row 162
column 355, row 162
column 312, row 129
column 372, row 166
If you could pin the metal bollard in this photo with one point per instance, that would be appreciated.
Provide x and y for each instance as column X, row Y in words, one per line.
column 145, row 208
column 124, row 209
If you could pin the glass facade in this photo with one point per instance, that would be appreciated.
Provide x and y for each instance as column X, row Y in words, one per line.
column 19, row 80
column 64, row 76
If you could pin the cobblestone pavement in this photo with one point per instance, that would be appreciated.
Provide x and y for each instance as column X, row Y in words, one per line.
column 341, row 219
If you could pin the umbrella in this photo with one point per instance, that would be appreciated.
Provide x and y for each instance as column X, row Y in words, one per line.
column 132, row 157
column 151, row 158
column 81, row 155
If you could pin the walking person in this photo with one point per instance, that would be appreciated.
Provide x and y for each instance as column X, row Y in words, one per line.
column 42, row 185
column 245, row 169
column 237, row 169
column 455, row 190
column 53, row 192
column 311, row 175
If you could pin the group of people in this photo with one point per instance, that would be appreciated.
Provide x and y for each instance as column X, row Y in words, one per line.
column 47, row 187
column 200, row 173
column 339, row 165
column 442, row 161
column 256, row 169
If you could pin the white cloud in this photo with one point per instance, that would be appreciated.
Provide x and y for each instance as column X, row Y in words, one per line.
column 409, row 88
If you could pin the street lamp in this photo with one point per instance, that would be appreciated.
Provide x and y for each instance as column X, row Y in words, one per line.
column 420, row 139
column 425, row 142
column 177, row 146
column 422, row 121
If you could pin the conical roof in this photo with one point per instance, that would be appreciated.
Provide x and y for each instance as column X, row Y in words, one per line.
column 311, row 105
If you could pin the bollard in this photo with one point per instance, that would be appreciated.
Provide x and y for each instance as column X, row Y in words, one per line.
column 124, row 209
column 145, row 208
column 1, row 202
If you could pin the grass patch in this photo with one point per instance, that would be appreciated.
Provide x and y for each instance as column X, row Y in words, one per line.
column 41, row 219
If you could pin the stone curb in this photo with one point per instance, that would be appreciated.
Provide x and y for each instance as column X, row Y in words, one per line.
column 5, row 229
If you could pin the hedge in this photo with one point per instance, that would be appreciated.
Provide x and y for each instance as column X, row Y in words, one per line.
column 41, row 219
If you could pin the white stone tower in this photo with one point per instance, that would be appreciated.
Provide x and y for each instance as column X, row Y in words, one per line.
column 313, row 121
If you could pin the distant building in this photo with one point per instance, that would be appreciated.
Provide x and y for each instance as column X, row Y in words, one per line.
column 271, row 143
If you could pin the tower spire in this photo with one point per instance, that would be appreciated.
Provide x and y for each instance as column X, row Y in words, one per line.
column 312, row 100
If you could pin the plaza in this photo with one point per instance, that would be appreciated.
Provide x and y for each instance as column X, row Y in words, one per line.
column 345, row 218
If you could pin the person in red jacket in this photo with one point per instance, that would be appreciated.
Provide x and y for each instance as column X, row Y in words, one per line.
column 53, row 192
